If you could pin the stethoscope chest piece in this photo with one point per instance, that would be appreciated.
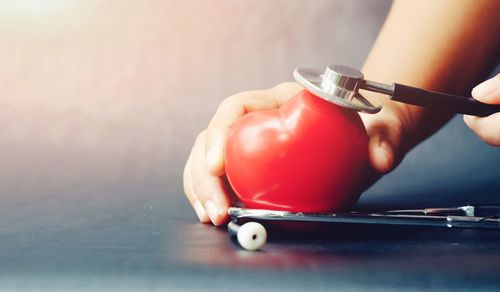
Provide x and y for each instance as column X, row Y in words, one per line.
column 338, row 84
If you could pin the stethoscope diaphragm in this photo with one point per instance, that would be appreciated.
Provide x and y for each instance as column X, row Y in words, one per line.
column 337, row 84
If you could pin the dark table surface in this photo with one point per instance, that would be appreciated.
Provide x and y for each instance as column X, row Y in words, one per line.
column 149, row 239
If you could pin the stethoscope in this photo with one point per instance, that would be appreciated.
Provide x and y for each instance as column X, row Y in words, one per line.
column 340, row 85
column 247, row 225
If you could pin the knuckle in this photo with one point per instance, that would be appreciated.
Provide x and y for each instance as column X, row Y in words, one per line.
column 200, row 138
column 230, row 102
column 285, row 85
column 235, row 105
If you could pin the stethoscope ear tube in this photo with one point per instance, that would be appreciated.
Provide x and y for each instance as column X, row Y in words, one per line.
column 438, row 100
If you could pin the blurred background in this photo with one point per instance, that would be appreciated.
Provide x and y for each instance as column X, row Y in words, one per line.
column 103, row 99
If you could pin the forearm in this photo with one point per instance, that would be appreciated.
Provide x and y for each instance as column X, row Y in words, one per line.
column 445, row 45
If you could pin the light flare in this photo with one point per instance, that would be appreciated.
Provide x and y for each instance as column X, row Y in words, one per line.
column 32, row 7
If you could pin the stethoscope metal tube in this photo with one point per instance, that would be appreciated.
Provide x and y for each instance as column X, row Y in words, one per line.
column 341, row 84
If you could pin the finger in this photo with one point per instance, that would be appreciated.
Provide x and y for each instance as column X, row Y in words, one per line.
column 488, row 91
column 486, row 128
column 210, row 190
column 188, row 190
column 232, row 109
column 228, row 112
column 385, row 135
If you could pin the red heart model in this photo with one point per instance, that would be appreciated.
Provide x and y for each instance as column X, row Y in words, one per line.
column 307, row 156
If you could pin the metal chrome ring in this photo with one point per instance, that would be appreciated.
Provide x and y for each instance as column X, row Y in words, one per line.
column 312, row 80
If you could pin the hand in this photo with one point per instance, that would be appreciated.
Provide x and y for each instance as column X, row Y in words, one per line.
column 486, row 128
column 204, row 185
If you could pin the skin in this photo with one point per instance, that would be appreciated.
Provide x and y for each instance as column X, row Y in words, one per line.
column 486, row 128
column 426, row 44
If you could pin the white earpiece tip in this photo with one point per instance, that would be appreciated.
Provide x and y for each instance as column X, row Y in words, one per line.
column 252, row 236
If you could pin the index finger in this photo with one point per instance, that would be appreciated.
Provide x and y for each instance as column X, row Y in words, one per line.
column 234, row 107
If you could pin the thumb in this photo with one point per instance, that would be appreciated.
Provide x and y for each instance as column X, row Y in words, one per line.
column 381, row 154
column 486, row 128
column 488, row 91
column 384, row 144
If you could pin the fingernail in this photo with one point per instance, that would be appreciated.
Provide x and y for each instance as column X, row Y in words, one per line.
column 200, row 212
column 485, row 88
column 213, row 210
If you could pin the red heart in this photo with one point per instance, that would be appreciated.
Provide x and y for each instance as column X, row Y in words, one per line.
column 307, row 156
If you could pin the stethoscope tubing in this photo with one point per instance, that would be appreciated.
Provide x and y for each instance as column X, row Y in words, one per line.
column 443, row 101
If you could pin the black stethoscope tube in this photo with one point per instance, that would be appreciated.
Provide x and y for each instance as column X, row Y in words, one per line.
column 446, row 102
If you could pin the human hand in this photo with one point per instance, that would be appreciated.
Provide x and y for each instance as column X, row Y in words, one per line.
column 204, row 185
column 204, row 172
column 486, row 128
